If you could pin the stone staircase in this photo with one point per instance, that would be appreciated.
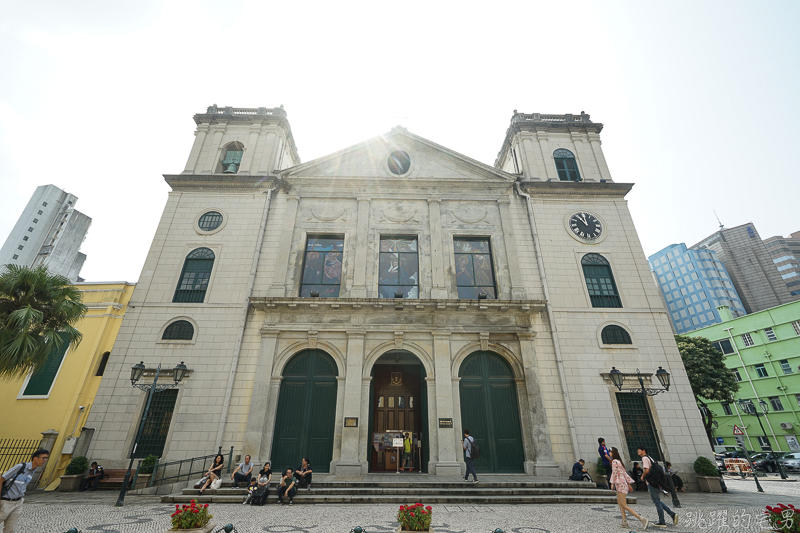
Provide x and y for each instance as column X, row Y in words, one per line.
column 410, row 490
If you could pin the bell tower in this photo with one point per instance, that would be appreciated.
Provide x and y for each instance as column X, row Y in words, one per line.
column 247, row 141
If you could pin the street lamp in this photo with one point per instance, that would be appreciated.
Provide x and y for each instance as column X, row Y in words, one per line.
column 750, row 409
column 137, row 371
column 617, row 378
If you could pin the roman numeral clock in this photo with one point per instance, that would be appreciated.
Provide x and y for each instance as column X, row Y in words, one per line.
column 585, row 227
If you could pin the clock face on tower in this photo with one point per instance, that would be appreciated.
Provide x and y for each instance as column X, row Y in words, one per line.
column 585, row 226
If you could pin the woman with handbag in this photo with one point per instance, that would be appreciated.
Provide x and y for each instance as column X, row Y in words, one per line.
column 621, row 482
column 214, row 471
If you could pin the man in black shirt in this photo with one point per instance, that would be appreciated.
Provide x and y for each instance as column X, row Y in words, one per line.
column 93, row 478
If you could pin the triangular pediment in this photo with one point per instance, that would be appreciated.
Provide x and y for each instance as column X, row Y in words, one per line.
column 370, row 160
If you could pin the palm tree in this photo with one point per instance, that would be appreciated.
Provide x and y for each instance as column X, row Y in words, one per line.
column 38, row 313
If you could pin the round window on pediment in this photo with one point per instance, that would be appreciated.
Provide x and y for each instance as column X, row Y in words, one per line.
column 399, row 162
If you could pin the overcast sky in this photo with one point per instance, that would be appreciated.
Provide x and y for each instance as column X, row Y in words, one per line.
column 699, row 99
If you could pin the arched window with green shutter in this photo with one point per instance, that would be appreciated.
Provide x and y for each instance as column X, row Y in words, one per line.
column 195, row 276
column 615, row 335
column 600, row 281
column 180, row 330
column 566, row 165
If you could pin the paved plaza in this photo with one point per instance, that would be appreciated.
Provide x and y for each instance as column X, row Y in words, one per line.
column 739, row 511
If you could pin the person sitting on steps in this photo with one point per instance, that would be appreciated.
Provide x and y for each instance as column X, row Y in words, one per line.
column 287, row 486
column 579, row 473
column 303, row 474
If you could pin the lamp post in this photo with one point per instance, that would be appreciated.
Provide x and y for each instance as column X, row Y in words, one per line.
column 137, row 371
column 750, row 409
column 617, row 378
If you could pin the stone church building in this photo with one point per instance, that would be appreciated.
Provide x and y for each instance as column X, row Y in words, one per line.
column 322, row 308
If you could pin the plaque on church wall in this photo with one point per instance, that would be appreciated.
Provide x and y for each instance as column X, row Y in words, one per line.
column 445, row 422
column 397, row 379
column 351, row 421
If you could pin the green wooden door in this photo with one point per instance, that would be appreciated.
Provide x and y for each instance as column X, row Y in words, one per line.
column 489, row 409
column 636, row 424
column 305, row 420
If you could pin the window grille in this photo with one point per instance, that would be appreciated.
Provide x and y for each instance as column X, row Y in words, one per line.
column 747, row 339
column 785, row 366
column 615, row 335
column 180, row 330
column 636, row 424
column 156, row 427
column 600, row 281
column 195, row 276
column 770, row 334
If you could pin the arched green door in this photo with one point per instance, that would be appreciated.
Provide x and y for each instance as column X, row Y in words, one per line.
column 305, row 420
column 489, row 409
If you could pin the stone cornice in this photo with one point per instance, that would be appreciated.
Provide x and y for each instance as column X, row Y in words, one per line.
column 390, row 305
column 571, row 188
column 218, row 181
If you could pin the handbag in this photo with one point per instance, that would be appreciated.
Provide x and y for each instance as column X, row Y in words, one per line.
column 200, row 483
column 217, row 483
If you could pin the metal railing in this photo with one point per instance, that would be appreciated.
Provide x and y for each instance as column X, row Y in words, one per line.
column 16, row 451
column 182, row 470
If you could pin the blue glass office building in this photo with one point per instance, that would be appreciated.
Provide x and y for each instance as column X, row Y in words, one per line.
column 694, row 284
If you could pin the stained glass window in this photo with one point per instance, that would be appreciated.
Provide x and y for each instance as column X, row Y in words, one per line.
column 322, row 266
column 566, row 165
column 474, row 269
column 195, row 276
column 398, row 267
column 600, row 281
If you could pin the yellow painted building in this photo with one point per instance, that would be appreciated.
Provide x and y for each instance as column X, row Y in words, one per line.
column 61, row 396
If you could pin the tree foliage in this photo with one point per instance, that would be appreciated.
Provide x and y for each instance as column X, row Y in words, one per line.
column 708, row 376
column 38, row 313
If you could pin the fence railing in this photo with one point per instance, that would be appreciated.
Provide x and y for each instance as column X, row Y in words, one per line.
column 16, row 451
column 182, row 470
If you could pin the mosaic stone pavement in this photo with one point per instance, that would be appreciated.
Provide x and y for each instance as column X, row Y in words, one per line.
column 738, row 511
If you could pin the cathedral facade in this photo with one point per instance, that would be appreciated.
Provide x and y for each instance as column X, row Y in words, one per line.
column 324, row 308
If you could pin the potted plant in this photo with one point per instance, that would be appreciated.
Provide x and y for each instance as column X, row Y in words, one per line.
column 783, row 518
column 146, row 471
column 73, row 475
column 707, row 475
column 415, row 517
column 192, row 518
column 600, row 470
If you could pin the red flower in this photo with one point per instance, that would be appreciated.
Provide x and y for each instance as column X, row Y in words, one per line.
column 418, row 505
column 424, row 511
column 429, row 508
column 402, row 508
column 412, row 514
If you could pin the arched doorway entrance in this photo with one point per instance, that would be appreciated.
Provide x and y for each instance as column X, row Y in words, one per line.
column 490, row 410
column 398, row 404
column 305, row 420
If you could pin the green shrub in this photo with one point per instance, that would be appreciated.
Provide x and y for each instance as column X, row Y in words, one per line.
column 148, row 465
column 78, row 465
column 704, row 467
column 601, row 470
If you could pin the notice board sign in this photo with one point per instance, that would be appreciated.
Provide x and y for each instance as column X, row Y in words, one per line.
column 445, row 422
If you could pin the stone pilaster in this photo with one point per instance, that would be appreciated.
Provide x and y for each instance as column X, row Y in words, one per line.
column 594, row 141
column 449, row 442
column 257, row 417
column 199, row 138
column 547, row 157
column 518, row 291
column 359, row 289
column 216, row 146
column 279, row 285
column 438, row 289
column 249, row 149
column 580, row 154
column 350, row 464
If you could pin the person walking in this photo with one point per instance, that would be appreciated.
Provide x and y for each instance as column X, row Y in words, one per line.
column 407, row 456
column 654, row 488
column 621, row 484
column 243, row 472
column 14, row 482
column 605, row 455
column 468, row 444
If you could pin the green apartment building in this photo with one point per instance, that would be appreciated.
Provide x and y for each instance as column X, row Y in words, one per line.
column 763, row 349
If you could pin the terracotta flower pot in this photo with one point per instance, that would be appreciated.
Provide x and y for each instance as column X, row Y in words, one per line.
column 205, row 529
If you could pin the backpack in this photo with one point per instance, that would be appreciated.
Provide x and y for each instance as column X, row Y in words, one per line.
column 474, row 449
column 655, row 476
column 10, row 482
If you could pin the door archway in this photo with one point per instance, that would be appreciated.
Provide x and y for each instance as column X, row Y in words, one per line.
column 490, row 410
column 306, row 415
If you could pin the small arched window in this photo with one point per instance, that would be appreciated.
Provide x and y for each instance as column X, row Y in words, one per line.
column 101, row 368
column 180, row 330
column 600, row 281
column 232, row 157
column 566, row 165
column 194, row 277
column 615, row 335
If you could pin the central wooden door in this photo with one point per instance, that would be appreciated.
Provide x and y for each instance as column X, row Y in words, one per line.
column 306, row 416
column 396, row 408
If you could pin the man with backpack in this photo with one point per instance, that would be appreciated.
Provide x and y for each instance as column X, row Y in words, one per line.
column 654, row 477
column 471, row 451
column 15, row 481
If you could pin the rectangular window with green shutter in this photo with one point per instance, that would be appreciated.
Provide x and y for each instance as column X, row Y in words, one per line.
column 41, row 382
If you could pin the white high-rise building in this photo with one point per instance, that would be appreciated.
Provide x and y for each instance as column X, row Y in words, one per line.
column 49, row 232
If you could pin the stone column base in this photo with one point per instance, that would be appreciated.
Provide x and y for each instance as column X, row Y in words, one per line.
column 350, row 469
column 548, row 469
column 448, row 469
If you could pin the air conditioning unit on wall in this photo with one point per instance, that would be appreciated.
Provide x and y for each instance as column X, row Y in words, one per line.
column 786, row 426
